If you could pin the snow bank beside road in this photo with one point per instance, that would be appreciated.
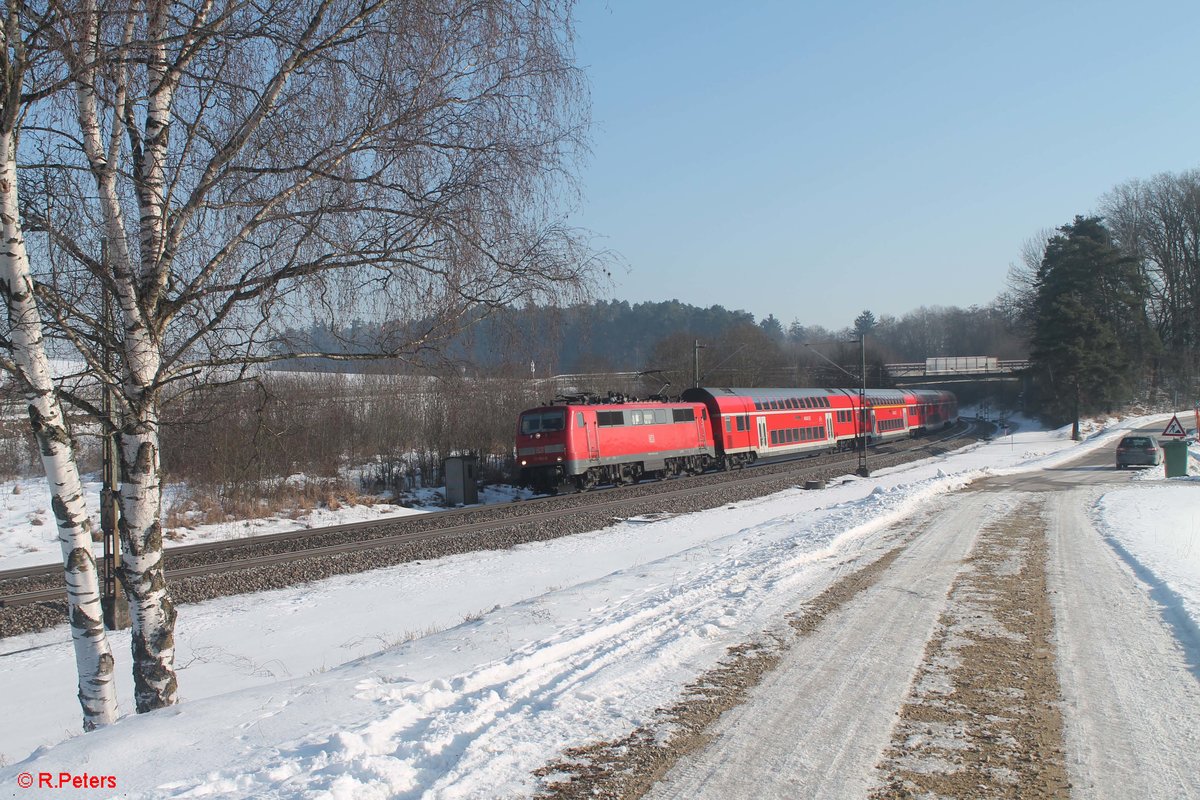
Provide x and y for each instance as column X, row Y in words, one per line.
column 1155, row 528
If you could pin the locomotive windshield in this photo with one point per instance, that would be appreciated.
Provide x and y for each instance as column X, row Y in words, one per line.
column 541, row 421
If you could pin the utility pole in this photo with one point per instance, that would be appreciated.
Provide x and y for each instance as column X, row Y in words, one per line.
column 696, row 348
column 861, row 433
column 113, row 603
column 862, row 408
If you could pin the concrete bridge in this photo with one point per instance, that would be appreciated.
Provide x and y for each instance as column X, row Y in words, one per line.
column 956, row 369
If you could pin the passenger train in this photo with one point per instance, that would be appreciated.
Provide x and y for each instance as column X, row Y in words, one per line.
column 588, row 441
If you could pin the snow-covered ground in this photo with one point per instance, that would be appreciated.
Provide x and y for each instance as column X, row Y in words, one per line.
column 458, row 677
column 28, row 536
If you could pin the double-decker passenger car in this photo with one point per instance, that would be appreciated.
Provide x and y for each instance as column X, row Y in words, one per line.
column 750, row 424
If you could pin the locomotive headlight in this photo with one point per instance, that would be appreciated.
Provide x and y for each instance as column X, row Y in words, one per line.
column 560, row 458
column 523, row 462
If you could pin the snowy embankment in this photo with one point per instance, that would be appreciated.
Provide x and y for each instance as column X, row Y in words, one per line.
column 457, row 678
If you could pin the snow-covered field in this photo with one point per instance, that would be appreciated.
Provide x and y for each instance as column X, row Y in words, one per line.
column 456, row 678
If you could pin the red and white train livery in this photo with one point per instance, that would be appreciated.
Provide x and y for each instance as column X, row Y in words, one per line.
column 589, row 443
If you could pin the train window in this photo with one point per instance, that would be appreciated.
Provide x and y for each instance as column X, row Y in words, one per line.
column 758, row 405
column 684, row 415
column 635, row 417
column 662, row 416
column 542, row 421
column 578, row 419
column 728, row 425
column 774, row 437
column 741, row 423
column 609, row 418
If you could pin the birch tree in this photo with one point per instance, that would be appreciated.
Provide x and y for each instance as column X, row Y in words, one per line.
column 251, row 166
column 23, row 356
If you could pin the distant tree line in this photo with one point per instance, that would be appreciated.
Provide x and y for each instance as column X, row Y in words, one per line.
column 615, row 335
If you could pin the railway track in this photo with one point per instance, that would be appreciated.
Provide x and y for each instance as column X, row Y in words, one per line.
column 33, row 597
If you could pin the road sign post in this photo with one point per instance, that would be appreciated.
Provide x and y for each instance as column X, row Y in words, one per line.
column 1174, row 429
column 1175, row 452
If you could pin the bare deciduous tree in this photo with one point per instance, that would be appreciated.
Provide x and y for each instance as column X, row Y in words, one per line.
column 1157, row 222
column 251, row 166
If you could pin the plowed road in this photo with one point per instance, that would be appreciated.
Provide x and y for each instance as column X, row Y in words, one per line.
column 1007, row 651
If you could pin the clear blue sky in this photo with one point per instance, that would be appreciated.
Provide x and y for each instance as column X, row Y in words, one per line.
column 814, row 159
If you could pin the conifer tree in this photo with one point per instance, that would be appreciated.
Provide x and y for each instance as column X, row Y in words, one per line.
column 1091, row 335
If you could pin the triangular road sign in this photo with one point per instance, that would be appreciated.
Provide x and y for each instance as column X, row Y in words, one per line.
column 1174, row 428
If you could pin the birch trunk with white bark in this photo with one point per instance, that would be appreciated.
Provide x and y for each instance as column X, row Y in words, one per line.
column 93, row 655
column 143, row 576
column 151, row 608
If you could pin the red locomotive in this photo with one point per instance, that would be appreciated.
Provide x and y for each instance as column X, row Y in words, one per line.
column 614, row 441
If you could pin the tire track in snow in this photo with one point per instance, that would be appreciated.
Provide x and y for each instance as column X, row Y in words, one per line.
column 983, row 719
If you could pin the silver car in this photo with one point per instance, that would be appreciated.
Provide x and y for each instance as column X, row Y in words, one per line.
column 1142, row 450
